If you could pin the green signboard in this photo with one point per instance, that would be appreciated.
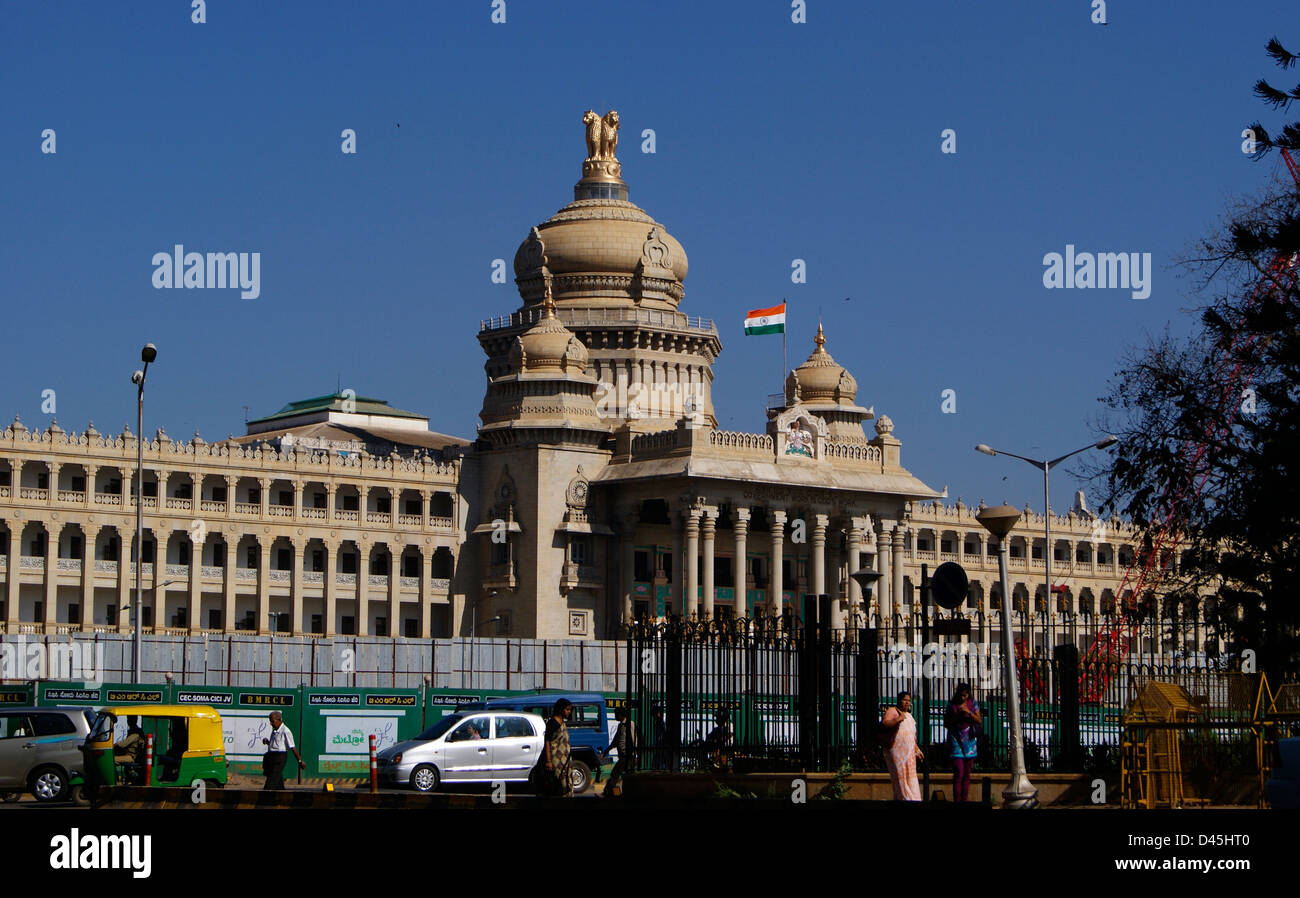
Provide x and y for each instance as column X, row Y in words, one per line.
column 338, row 724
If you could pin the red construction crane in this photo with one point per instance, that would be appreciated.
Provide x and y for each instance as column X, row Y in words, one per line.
column 1144, row 575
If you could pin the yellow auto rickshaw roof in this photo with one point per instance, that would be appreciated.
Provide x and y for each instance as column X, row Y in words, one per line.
column 162, row 711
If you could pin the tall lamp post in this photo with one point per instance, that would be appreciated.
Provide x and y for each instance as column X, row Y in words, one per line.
column 1019, row 793
column 1046, row 467
column 147, row 355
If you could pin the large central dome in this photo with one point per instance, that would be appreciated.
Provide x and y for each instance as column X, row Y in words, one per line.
column 601, row 250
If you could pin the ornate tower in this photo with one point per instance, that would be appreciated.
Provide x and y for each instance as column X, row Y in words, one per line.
column 616, row 278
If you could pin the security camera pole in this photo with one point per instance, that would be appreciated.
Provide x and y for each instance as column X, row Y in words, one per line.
column 147, row 355
column 1019, row 793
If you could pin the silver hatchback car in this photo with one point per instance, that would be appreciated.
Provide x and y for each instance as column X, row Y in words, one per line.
column 40, row 752
column 469, row 747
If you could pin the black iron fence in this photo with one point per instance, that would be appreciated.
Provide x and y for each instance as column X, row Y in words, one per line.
column 785, row 693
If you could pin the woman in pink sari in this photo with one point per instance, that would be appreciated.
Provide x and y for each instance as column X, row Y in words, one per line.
column 902, row 753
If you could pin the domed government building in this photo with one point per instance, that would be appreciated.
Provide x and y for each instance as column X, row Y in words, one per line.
column 598, row 487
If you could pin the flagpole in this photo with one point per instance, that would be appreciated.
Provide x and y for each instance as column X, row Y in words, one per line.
column 785, row 362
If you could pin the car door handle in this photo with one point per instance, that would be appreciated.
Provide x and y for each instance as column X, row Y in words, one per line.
column 482, row 751
column 29, row 745
column 527, row 747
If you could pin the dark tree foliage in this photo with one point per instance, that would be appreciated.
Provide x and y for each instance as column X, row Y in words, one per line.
column 1233, row 389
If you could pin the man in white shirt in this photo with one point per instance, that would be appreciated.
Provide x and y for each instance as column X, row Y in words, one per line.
column 278, row 747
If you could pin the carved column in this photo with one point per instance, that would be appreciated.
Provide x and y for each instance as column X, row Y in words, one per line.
column 264, row 579
column 820, row 523
column 740, row 561
column 125, row 581
column 264, row 494
column 297, row 549
column 15, row 567
column 854, row 552
column 777, row 579
column 195, row 605
column 331, row 582
column 329, row 502
column 297, row 505
column 896, row 590
column 92, row 471
column 627, row 563
column 52, row 494
column 691, row 606
column 231, row 484
column 678, row 592
column 363, row 585
column 426, row 584
column 228, row 582
column 888, row 602
column 90, row 535
column 51, row 570
column 709, row 525
column 394, row 584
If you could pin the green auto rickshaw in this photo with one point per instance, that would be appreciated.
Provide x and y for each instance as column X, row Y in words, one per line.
column 187, row 746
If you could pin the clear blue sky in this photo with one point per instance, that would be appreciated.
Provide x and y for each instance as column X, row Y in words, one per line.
column 776, row 141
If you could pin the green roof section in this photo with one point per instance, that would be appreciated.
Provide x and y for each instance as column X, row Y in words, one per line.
column 333, row 402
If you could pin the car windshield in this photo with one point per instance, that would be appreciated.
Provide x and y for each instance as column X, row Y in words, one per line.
column 440, row 727
column 102, row 731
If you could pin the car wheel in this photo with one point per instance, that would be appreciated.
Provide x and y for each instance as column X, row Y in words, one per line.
column 581, row 776
column 49, row 784
column 424, row 778
column 80, row 797
column 7, row 797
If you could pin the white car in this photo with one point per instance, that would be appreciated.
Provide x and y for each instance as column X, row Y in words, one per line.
column 467, row 747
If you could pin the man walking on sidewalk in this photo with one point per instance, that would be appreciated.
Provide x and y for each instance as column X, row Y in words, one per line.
column 278, row 747
column 625, row 742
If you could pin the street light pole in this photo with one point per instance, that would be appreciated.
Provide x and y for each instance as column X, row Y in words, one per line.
column 1046, row 467
column 1019, row 793
column 147, row 355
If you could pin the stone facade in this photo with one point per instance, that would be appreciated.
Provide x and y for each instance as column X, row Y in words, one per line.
column 598, row 488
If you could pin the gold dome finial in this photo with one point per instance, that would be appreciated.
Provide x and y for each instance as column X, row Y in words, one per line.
column 820, row 339
column 602, row 173
column 548, row 303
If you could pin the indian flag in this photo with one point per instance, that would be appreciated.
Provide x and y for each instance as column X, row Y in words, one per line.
column 765, row 321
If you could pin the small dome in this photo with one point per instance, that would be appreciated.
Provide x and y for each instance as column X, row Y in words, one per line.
column 821, row 379
column 548, row 344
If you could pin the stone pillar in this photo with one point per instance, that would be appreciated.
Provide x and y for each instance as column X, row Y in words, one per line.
column 14, row 567
column 740, row 561
column 776, row 581
column 90, row 535
column 627, row 564
column 896, row 590
column 195, row 605
column 426, row 583
column 52, row 569
column 264, row 579
column 363, row 584
column 854, row 552
column 297, row 548
column 91, row 472
column 297, row 512
column 691, row 606
column 331, row 580
column 426, row 499
column 709, row 523
column 329, row 506
column 52, row 494
column 228, row 582
column 265, row 495
column 125, row 581
column 363, row 492
column 888, row 603
column 394, row 583
column 820, row 522
column 231, row 483
column 677, row 593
